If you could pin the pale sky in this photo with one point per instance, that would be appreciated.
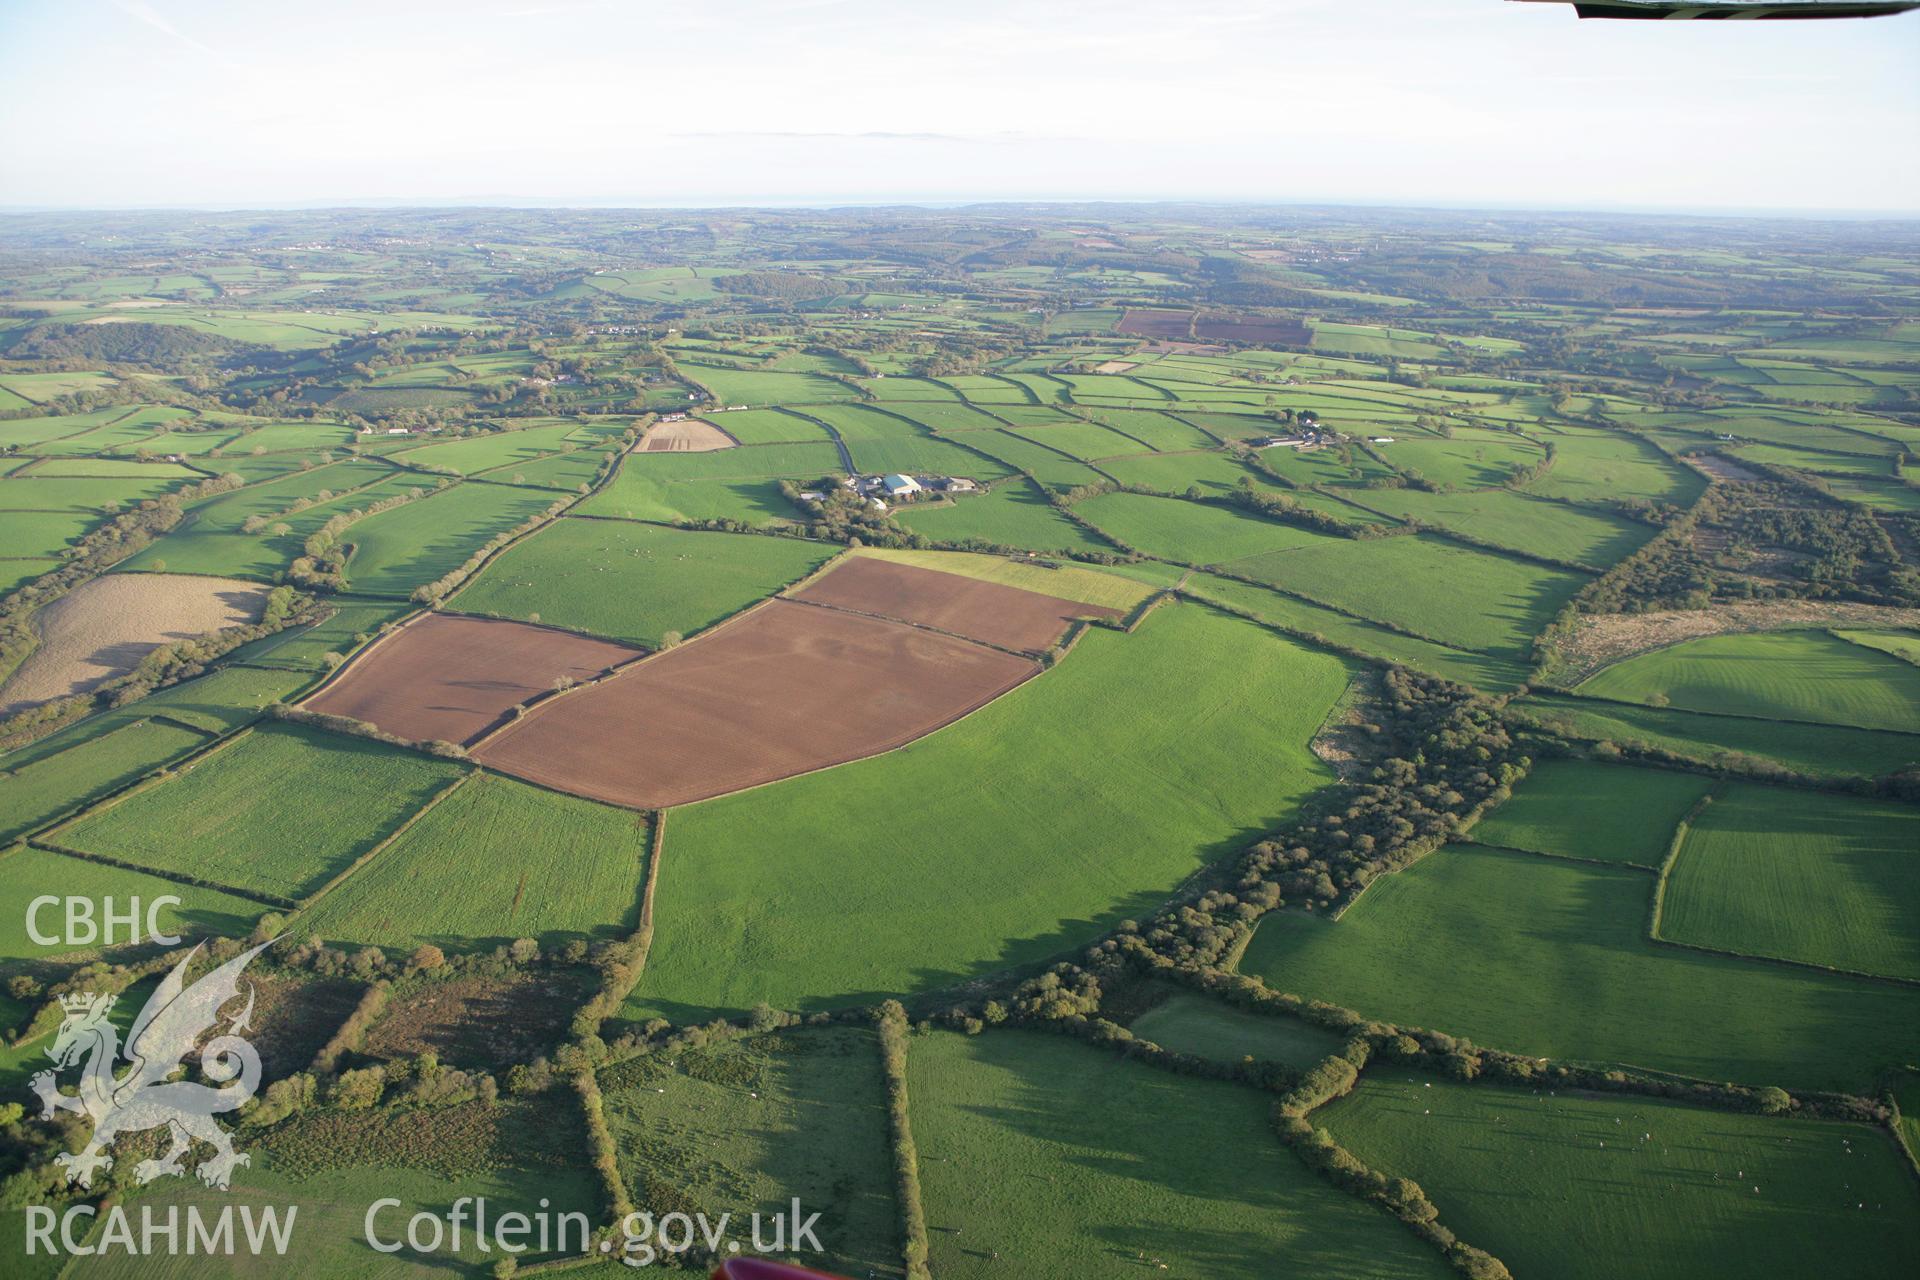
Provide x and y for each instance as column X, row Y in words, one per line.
column 1463, row 102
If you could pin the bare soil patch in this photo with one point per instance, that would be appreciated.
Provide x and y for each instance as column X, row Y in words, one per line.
column 1601, row 640
column 780, row 690
column 693, row 435
column 1156, row 324
column 103, row 628
column 1008, row 617
column 1257, row 329
column 450, row 677
column 1115, row 366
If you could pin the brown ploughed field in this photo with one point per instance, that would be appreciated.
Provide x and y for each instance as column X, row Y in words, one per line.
column 985, row 611
column 451, row 678
column 1156, row 324
column 779, row 690
column 690, row 436
column 1258, row 329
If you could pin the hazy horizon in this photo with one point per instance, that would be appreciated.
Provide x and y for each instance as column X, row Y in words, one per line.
column 1455, row 104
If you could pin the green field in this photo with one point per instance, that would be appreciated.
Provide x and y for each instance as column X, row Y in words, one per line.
column 281, row 811
column 744, row 1127
column 1471, row 459
column 1784, row 675
column 1459, row 596
column 635, row 582
column 768, row 426
column 1814, row 749
column 1823, row 879
column 1604, row 812
column 1481, row 670
column 1192, row 532
column 494, row 449
column 1011, row 514
column 495, row 861
column 1043, row 1158
column 1051, row 468
column 413, row 544
column 731, row 483
column 1599, row 1187
column 1190, row 1023
column 1901, row 644
column 1603, row 466
column 1546, row 956
column 1144, row 739
column 223, row 699
column 27, row 873
column 36, row 793
column 1554, row 530
column 1214, row 474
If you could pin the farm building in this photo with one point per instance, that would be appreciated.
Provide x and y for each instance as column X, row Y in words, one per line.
column 899, row 486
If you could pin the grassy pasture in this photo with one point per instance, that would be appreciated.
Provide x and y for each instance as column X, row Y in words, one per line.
column 1144, row 738
column 497, row 860
column 635, row 582
column 1633, row 1188
column 743, row 1127
column 1155, row 430
column 1785, row 675
column 42, row 534
column 1470, row 459
column 411, row 545
column 1323, row 466
column 1051, row 468
column 278, row 436
column 1012, row 514
column 495, row 449
column 1546, row 956
column 734, row 483
column 566, row 472
column 305, row 648
column 757, row 387
column 35, row 793
column 27, row 873
column 1904, row 645
column 1086, row 441
column 219, row 821
column 1818, row 750
column 1213, row 473
column 1796, row 875
column 768, row 426
column 1043, row 1157
column 32, row 491
column 1191, row 532
column 1508, row 519
column 1458, row 595
column 1597, row 466
column 637, row 496
column 223, row 699
column 1191, row 1023
column 1481, row 670
column 1605, row 812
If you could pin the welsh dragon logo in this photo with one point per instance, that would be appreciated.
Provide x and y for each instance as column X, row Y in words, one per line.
column 169, row 1026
